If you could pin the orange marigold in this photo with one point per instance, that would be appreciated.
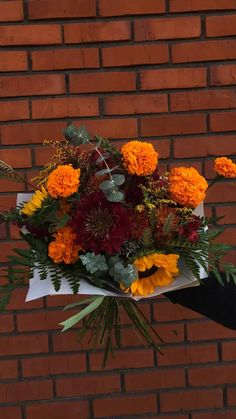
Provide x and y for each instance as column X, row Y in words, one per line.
column 225, row 167
column 63, row 181
column 187, row 187
column 63, row 248
column 139, row 158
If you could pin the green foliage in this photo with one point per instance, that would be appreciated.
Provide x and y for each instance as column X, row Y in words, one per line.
column 94, row 263
column 76, row 135
column 147, row 240
column 7, row 172
column 121, row 272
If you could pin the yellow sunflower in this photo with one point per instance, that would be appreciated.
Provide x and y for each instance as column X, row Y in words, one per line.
column 35, row 202
column 155, row 270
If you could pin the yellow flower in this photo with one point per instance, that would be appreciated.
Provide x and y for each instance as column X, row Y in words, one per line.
column 35, row 202
column 139, row 158
column 64, row 248
column 162, row 270
column 187, row 187
column 225, row 167
column 63, row 181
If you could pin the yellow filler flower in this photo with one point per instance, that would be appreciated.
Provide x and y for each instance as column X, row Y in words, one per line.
column 35, row 202
column 155, row 270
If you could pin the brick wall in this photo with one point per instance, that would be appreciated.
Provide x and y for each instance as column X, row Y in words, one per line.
column 156, row 69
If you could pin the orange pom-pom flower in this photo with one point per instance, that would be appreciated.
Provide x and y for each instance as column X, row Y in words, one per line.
column 187, row 187
column 63, row 248
column 225, row 167
column 63, row 181
column 139, row 158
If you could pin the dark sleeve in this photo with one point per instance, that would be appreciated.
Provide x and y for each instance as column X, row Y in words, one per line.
column 211, row 299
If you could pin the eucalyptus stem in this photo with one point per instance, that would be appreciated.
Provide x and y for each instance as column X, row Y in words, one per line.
column 104, row 161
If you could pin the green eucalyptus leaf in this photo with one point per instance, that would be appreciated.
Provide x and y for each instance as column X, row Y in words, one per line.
column 77, row 135
column 94, row 263
column 106, row 171
column 107, row 185
column 118, row 179
column 115, row 196
column 102, row 158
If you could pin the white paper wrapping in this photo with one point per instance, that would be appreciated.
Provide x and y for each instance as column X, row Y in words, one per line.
column 41, row 288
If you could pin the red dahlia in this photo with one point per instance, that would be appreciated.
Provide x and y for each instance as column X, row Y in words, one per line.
column 101, row 226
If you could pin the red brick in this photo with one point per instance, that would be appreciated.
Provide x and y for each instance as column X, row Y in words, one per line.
column 208, row 330
column 169, row 334
column 173, row 78
column 134, row 55
column 7, row 202
column 117, row 128
column 135, row 104
column 221, row 25
column 217, row 375
column 221, row 192
column 166, row 311
column 61, row 59
column 9, row 186
column 11, row 11
column 223, row 74
column 229, row 414
column 23, row 344
column 228, row 236
column 186, row 163
column 30, row 35
column 14, row 232
column 47, row 9
column 62, row 300
column 198, row 5
column 27, row 390
column 16, row 159
column 204, row 146
column 41, row 320
column 64, row 342
column 32, row 133
column 17, row 301
column 53, row 365
column 191, row 399
column 13, row 60
column 32, row 85
column 126, row 405
column 7, row 324
column 10, row 111
column 230, row 257
column 58, row 410
column 64, row 107
column 124, row 7
column 229, row 351
column 154, row 380
column 173, row 124
column 6, row 248
column 229, row 214
column 92, row 384
column 8, row 370
column 123, row 359
column 188, row 354
column 223, row 121
column 3, row 232
column 231, row 396
column 102, row 82
column 203, row 99
column 43, row 155
column 167, row 28
column 97, row 32
column 204, row 51
column 10, row 412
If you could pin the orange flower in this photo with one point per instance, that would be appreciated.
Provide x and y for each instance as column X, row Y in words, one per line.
column 139, row 158
column 63, row 248
column 63, row 181
column 225, row 167
column 187, row 187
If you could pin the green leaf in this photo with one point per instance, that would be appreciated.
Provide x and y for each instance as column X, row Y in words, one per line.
column 118, row 179
column 79, row 316
column 105, row 156
column 107, row 185
column 80, row 303
column 115, row 196
column 77, row 135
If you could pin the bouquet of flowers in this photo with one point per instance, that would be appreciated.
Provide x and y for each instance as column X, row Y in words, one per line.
column 104, row 222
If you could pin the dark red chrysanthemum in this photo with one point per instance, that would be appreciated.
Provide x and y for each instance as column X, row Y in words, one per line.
column 190, row 230
column 100, row 225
